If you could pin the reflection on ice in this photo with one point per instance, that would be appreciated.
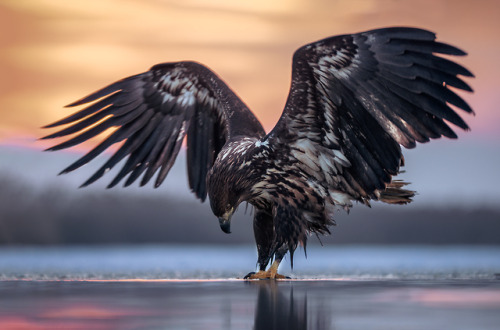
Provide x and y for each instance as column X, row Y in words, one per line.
column 275, row 310
column 279, row 307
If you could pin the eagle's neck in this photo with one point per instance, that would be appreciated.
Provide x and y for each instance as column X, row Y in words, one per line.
column 237, row 168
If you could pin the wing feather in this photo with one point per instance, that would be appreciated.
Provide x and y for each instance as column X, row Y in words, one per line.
column 123, row 85
column 151, row 113
column 137, row 138
column 367, row 94
column 115, row 137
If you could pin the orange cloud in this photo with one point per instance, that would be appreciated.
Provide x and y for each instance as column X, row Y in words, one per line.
column 59, row 51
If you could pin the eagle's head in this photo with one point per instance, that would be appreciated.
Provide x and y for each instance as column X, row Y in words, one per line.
column 223, row 195
column 223, row 206
column 229, row 180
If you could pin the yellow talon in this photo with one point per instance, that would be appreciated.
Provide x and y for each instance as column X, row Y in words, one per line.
column 270, row 274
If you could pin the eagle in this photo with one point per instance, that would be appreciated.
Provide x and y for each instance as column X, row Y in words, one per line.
column 354, row 101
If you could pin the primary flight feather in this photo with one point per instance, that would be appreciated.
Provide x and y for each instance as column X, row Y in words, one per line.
column 354, row 101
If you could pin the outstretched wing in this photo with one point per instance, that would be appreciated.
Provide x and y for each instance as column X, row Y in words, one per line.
column 355, row 99
column 152, row 112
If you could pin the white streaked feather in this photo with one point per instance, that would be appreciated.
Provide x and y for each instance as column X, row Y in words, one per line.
column 341, row 158
column 340, row 198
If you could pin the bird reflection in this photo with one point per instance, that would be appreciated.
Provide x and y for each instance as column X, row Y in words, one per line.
column 278, row 308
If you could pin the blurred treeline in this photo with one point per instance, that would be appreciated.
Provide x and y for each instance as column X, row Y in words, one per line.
column 58, row 216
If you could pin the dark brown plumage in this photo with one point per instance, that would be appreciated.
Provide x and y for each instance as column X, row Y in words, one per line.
column 354, row 100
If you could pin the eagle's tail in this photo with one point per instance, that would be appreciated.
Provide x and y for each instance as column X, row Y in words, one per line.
column 395, row 194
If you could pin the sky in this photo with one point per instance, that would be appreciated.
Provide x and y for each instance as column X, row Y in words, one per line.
column 54, row 52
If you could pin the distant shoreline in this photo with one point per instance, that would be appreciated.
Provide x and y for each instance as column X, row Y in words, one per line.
column 51, row 217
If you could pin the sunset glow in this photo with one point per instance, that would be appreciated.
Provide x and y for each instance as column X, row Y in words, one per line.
column 58, row 51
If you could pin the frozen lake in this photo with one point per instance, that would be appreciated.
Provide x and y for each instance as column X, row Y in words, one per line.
column 231, row 262
column 199, row 287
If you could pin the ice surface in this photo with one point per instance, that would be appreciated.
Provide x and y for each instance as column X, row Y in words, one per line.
column 227, row 261
column 196, row 287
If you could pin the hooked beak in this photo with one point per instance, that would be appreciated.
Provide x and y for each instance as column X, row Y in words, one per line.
column 225, row 222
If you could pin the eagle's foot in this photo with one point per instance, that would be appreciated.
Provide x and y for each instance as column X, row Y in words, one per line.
column 265, row 275
column 270, row 274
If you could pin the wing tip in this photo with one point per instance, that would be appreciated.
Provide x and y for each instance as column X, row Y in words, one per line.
column 49, row 125
column 74, row 104
column 65, row 171
column 113, row 183
column 54, row 148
